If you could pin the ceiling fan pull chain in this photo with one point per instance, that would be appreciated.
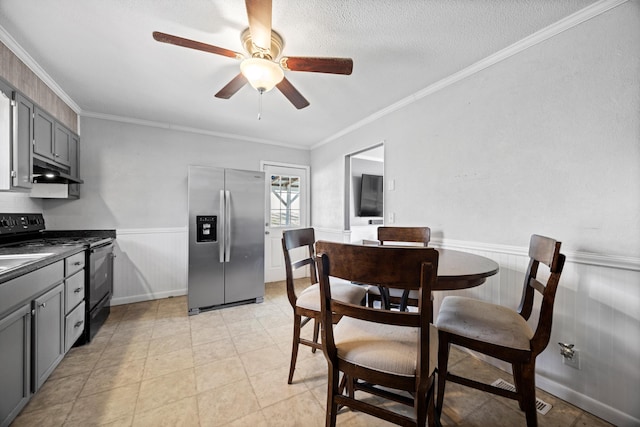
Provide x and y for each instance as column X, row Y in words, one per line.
column 260, row 104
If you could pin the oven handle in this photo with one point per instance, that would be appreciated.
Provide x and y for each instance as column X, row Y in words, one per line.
column 101, row 248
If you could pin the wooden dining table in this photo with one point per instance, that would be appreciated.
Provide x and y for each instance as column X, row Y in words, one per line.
column 462, row 270
column 456, row 270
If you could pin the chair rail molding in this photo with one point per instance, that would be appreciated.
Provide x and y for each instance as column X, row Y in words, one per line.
column 587, row 258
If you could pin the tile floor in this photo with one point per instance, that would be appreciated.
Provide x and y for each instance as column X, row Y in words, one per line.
column 152, row 365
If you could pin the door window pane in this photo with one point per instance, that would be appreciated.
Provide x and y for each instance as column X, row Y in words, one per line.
column 285, row 201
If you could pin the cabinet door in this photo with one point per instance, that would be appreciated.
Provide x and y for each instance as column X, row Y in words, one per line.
column 43, row 130
column 74, row 155
column 15, row 363
column 48, row 334
column 22, row 141
column 61, row 143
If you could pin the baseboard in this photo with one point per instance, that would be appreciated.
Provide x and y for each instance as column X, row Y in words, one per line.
column 586, row 403
column 148, row 297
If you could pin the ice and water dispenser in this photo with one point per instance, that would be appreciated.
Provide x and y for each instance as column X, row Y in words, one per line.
column 207, row 228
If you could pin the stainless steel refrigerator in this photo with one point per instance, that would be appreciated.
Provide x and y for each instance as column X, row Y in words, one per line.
column 226, row 237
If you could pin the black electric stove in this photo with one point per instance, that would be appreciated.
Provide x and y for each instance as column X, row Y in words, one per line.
column 28, row 231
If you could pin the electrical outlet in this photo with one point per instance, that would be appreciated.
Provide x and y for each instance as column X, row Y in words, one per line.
column 574, row 361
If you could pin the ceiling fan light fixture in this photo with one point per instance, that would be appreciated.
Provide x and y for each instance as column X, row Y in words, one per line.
column 261, row 73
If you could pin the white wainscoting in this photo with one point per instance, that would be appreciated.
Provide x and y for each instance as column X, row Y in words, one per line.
column 149, row 264
column 597, row 308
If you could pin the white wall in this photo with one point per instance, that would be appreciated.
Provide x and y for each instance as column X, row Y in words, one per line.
column 135, row 176
column 135, row 181
column 545, row 141
column 19, row 203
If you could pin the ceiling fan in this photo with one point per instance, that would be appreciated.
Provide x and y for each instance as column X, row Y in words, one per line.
column 261, row 68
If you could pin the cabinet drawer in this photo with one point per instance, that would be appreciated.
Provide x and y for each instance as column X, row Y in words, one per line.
column 24, row 288
column 73, row 291
column 74, row 326
column 73, row 263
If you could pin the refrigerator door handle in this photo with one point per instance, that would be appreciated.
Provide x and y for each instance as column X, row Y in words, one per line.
column 227, row 221
column 220, row 224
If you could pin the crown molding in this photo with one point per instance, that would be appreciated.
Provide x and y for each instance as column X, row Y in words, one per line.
column 552, row 30
column 170, row 126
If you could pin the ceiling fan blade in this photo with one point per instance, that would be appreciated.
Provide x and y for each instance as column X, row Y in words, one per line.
column 259, row 14
column 292, row 94
column 232, row 87
column 192, row 44
column 317, row 65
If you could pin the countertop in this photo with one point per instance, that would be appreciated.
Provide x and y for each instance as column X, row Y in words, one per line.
column 57, row 253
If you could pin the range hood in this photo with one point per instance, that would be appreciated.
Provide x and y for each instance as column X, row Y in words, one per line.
column 47, row 173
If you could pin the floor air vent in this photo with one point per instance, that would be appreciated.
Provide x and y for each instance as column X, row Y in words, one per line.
column 542, row 406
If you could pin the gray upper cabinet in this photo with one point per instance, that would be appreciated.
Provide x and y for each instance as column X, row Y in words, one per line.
column 74, row 155
column 33, row 142
column 16, row 134
column 22, row 141
column 43, row 133
column 61, row 143
column 51, row 139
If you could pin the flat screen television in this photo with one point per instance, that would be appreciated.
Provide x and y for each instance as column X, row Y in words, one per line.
column 371, row 202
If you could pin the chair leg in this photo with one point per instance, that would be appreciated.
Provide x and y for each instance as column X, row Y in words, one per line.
column 332, row 390
column 431, row 410
column 316, row 333
column 526, row 386
column 297, row 319
column 420, row 406
column 443, row 361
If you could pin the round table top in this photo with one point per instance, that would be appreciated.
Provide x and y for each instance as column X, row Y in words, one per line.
column 461, row 270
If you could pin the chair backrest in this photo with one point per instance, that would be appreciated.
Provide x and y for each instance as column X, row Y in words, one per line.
column 404, row 235
column 546, row 251
column 395, row 267
column 293, row 239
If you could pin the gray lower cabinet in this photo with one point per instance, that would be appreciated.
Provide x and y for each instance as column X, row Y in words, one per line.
column 32, row 330
column 15, row 363
column 49, row 330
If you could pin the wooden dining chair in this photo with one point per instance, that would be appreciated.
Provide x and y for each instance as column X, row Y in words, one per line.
column 390, row 354
column 398, row 236
column 503, row 333
column 307, row 304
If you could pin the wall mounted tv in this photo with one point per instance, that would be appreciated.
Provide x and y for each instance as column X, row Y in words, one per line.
column 371, row 202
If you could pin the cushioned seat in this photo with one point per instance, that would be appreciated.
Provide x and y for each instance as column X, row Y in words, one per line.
column 342, row 290
column 381, row 347
column 483, row 321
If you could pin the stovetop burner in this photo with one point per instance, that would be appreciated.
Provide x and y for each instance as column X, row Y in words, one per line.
column 28, row 230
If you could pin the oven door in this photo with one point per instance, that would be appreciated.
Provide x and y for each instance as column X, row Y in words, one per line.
column 100, row 274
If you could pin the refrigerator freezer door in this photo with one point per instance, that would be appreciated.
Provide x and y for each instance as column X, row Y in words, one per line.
column 244, row 270
column 206, row 272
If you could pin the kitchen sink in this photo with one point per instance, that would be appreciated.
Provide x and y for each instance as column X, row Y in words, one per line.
column 8, row 262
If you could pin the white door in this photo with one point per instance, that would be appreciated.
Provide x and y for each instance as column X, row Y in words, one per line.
column 287, row 206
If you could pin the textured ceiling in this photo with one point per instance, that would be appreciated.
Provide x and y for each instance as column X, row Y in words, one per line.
column 102, row 55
